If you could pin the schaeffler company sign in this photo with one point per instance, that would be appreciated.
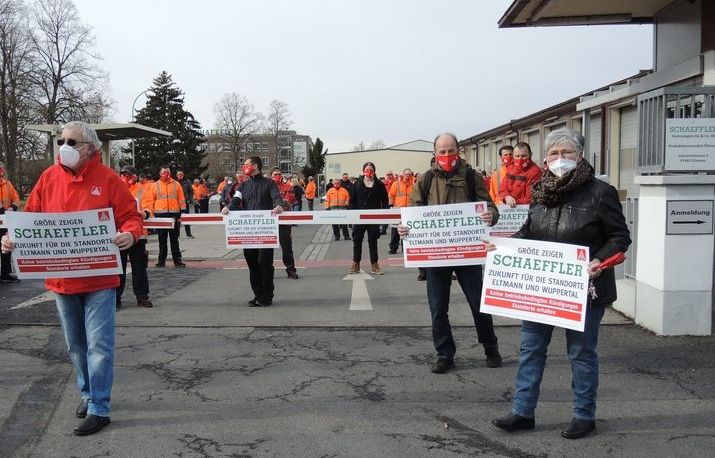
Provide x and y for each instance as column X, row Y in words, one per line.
column 690, row 144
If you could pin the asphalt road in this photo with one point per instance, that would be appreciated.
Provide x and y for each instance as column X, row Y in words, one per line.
column 201, row 374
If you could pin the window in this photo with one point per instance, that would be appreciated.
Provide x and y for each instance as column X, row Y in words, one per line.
column 265, row 162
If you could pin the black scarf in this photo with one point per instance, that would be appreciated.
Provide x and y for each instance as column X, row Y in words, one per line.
column 550, row 189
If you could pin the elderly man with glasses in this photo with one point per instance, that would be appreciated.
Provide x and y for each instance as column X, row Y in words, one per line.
column 86, row 306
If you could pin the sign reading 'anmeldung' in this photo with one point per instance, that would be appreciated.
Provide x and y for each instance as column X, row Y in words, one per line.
column 251, row 229
column 64, row 245
column 545, row 282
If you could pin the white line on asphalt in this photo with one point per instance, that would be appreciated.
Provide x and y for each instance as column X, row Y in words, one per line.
column 40, row 298
column 360, row 298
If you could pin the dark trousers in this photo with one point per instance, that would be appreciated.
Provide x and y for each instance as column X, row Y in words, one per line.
column 310, row 205
column 336, row 231
column 260, row 268
column 5, row 259
column 439, row 281
column 383, row 229
column 172, row 234
column 286, row 240
column 373, row 233
column 187, row 227
column 204, row 205
column 197, row 207
column 139, row 259
column 394, row 240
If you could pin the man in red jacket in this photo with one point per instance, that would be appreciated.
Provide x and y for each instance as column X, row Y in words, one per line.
column 515, row 188
column 86, row 306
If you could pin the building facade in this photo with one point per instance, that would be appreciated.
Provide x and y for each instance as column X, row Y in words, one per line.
column 414, row 155
column 225, row 155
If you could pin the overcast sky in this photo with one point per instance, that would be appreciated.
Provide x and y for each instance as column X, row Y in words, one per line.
column 352, row 70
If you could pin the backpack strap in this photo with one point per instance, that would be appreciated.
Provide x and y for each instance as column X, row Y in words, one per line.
column 426, row 185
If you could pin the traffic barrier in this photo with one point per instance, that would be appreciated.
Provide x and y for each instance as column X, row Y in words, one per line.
column 391, row 216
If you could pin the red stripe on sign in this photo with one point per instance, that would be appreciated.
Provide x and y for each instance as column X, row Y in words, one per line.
column 69, row 267
column 447, row 256
column 295, row 217
column 202, row 218
column 158, row 225
column 533, row 308
column 447, row 249
column 380, row 216
column 66, row 261
column 536, row 300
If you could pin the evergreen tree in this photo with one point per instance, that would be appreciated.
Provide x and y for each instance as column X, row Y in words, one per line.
column 165, row 110
column 316, row 160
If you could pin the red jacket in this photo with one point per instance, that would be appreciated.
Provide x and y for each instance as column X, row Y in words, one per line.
column 517, row 183
column 95, row 186
column 286, row 190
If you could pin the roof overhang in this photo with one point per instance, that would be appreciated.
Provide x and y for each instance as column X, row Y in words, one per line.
column 545, row 13
column 110, row 131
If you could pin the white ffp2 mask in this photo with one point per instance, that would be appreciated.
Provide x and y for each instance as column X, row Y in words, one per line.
column 562, row 166
column 69, row 156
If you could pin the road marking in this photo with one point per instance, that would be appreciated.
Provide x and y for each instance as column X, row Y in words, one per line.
column 40, row 298
column 318, row 247
column 360, row 298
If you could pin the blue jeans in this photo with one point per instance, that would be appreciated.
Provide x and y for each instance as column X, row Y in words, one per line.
column 439, row 283
column 581, row 349
column 88, row 324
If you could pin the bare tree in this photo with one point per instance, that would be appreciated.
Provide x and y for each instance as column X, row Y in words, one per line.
column 279, row 120
column 377, row 144
column 15, row 89
column 238, row 121
column 65, row 73
column 360, row 146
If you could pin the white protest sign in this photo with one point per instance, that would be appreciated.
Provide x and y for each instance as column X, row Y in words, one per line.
column 510, row 220
column 545, row 282
column 251, row 229
column 444, row 235
column 64, row 245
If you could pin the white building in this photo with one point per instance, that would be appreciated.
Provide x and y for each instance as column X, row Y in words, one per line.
column 414, row 155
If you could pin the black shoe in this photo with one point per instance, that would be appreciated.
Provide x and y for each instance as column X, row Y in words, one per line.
column 252, row 302
column 179, row 264
column 421, row 276
column 9, row 278
column 117, row 307
column 81, row 411
column 160, row 264
column 144, row 303
column 292, row 274
column 392, row 252
column 337, row 238
column 92, row 424
column 442, row 365
column 578, row 429
column 493, row 356
column 513, row 422
column 262, row 303
column 347, row 237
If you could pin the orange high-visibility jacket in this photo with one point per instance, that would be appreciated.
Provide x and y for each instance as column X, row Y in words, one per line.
column 337, row 198
column 8, row 194
column 310, row 190
column 400, row 193
column 201, row 191
column 144, row 203
column 220, row 187
column 495, row 182
column 167, row 197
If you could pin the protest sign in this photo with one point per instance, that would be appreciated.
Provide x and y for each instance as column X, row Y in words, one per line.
column 251, row 229
column 64, row 245
column 444, row 235
column 510, row 220
column 545, row 282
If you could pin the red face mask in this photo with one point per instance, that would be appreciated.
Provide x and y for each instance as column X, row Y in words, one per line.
column 507, row 160
column 522, row 163
column 448, row 162
column 369, row 173
column 336, row 185
column 165, row 176
column 131, row 180
column 278, row 179
column 124, row 178
column 2, row 172
column 248, row 170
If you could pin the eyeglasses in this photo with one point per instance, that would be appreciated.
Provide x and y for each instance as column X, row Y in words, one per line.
column 69, row 141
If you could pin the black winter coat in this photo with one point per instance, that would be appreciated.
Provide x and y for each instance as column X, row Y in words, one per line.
column 592, row 216
column 364, row 198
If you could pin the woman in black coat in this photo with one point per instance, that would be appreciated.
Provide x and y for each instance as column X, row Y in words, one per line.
column 367, row 193
column 569, row 206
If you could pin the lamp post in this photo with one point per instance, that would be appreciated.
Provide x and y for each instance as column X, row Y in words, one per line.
column 133, row 111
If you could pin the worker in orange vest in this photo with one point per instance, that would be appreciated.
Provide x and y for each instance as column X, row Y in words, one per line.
column 166, row 199
column 506, row 153
column 399, row 196
column 338, row 198
column 8, row 203
column 310, row 190
column 137, row 253
column 201, row 195
column 219, row 190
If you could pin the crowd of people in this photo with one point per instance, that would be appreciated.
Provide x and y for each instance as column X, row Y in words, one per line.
column 86, row 307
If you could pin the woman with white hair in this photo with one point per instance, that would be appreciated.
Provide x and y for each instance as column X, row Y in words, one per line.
column 569, row 206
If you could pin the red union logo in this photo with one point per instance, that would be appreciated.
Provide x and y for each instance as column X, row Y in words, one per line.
column 581, row 254
column 96, row 191
column 103, row 215
column 480, row 207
